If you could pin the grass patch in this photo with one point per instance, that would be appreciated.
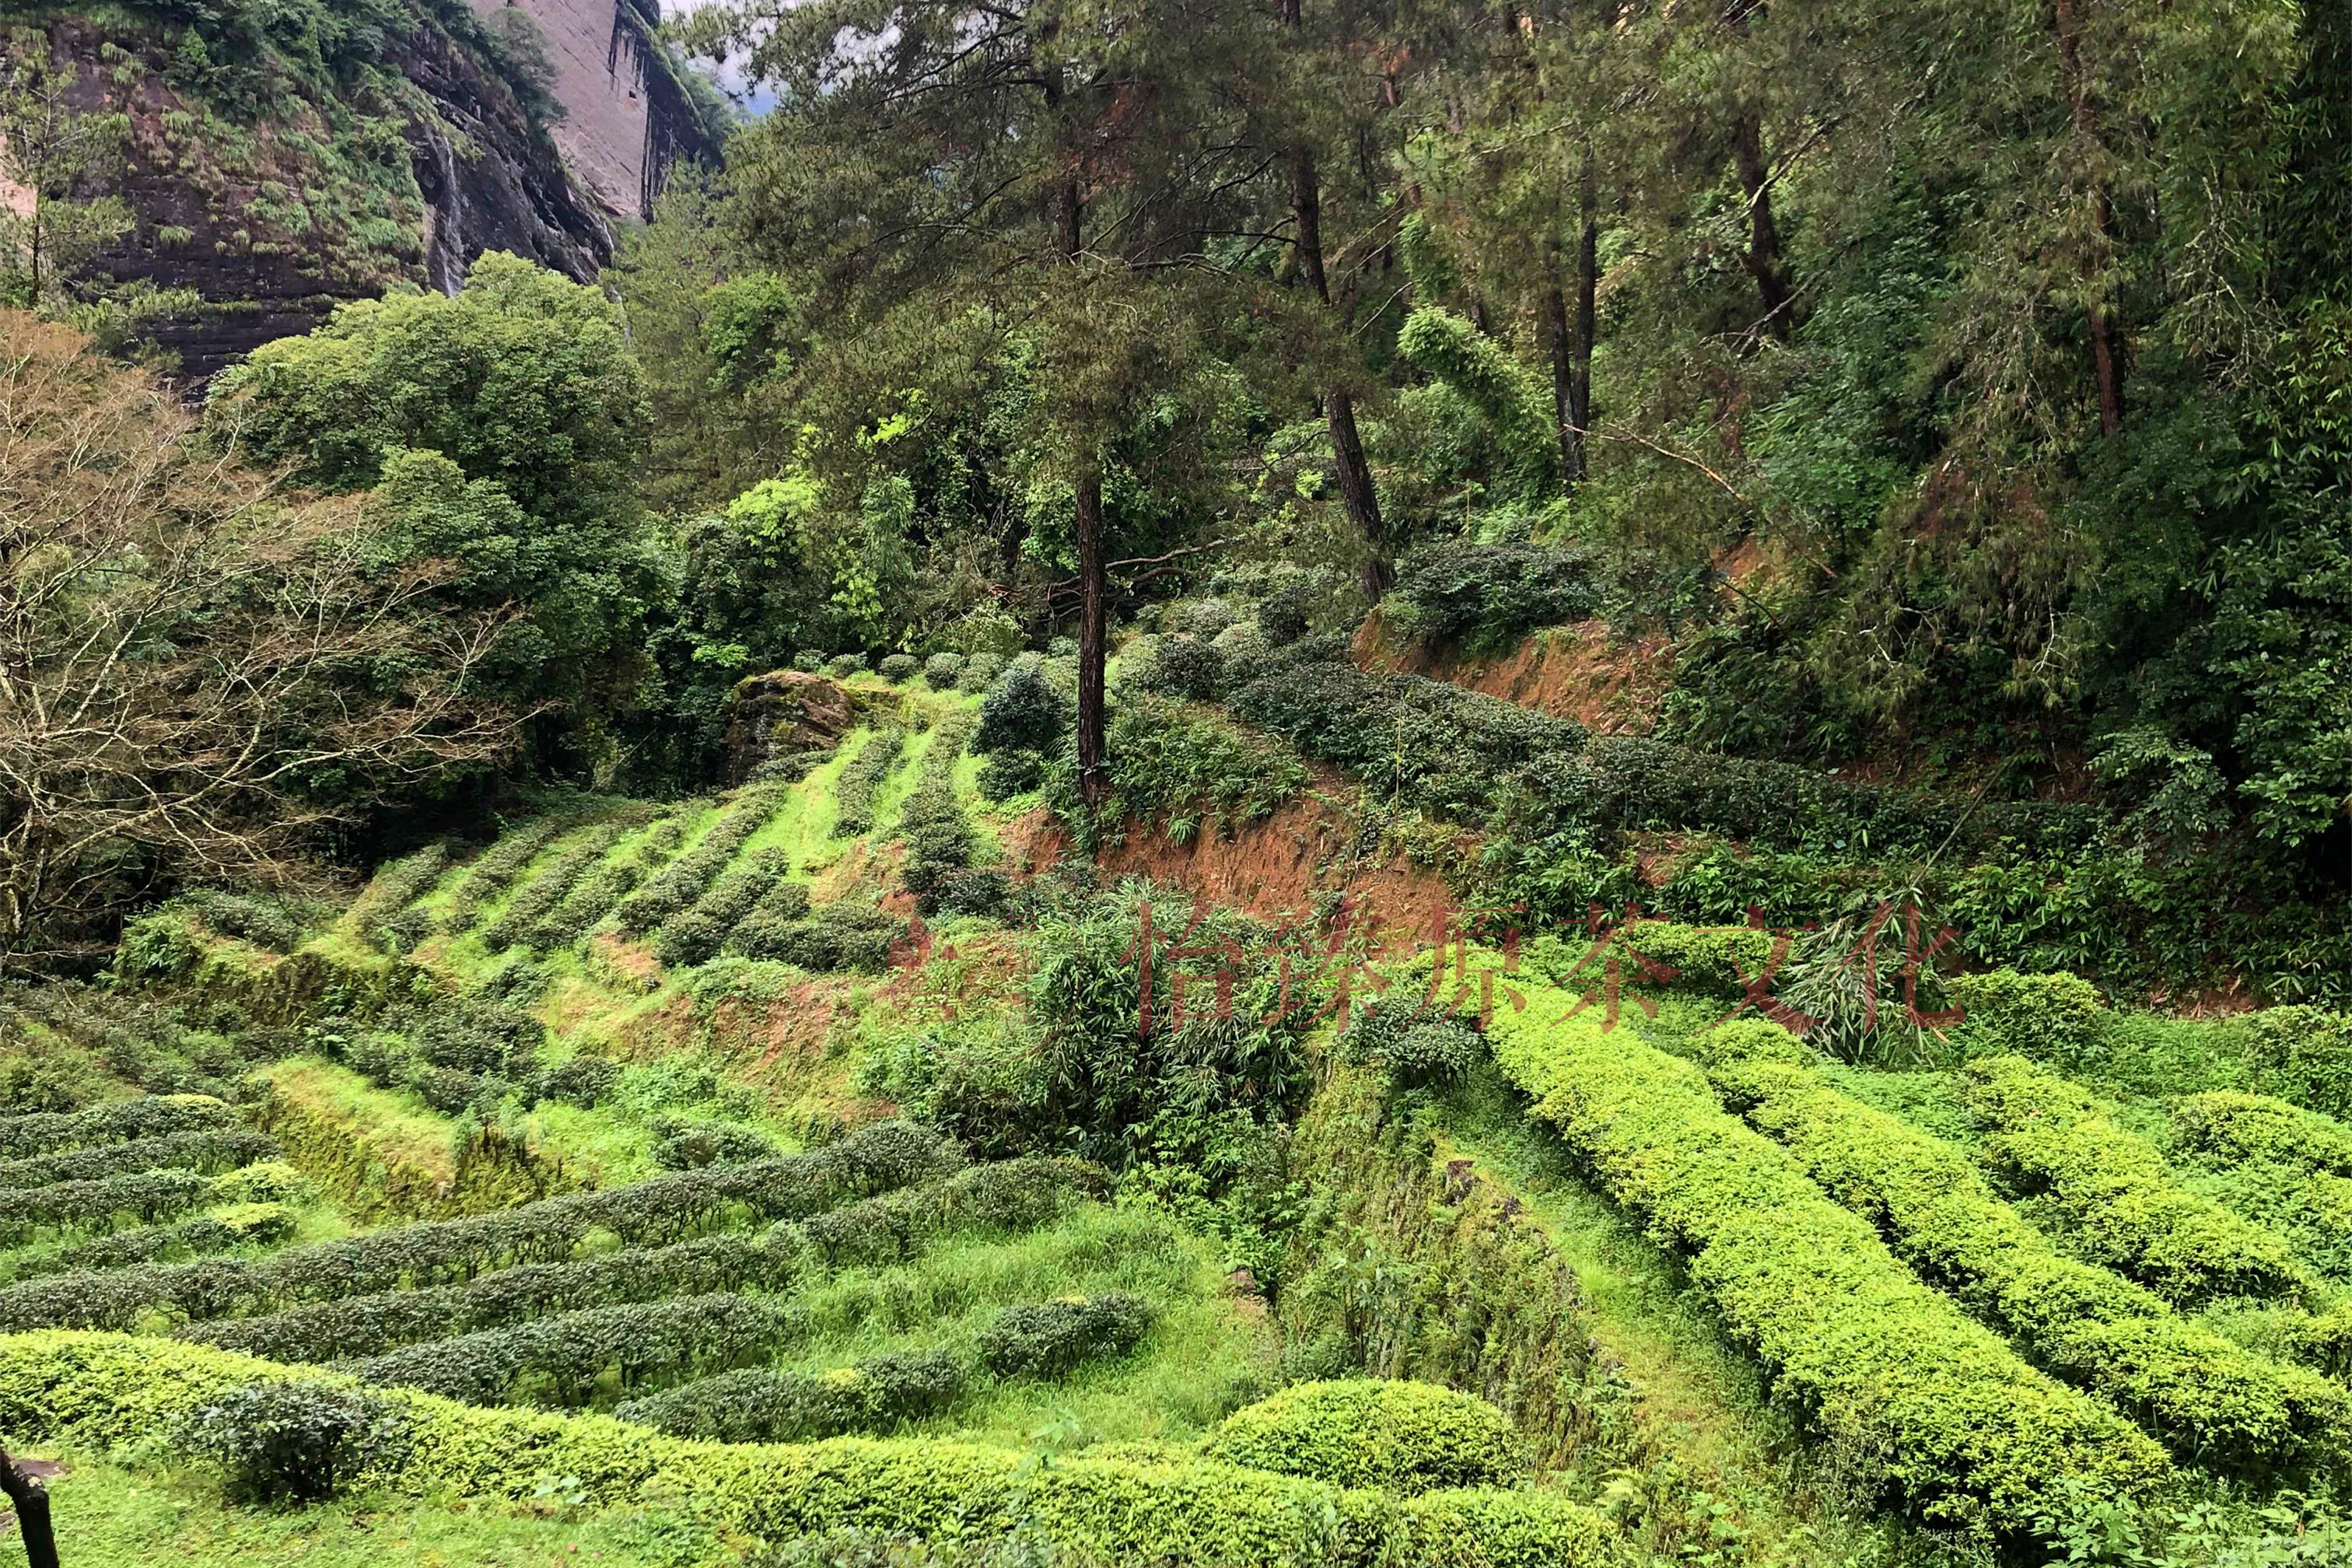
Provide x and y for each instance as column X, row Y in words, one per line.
column 395, row 1125
column 107, row 1516
column 1203, row 1357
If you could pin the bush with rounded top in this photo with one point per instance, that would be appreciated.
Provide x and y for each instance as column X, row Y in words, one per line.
column 1409, row 1437
column 1022, row 712
column 897, row 668
column 979, row 671
column 1048, row 1339
column 295, row 1442
column 941, row 670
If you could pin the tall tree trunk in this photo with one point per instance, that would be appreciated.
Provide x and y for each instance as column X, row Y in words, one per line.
column 1588, row 314
column 2105, row 361
column 1094, row 586
column 1356, row 488
column 31, row 1500
column 1763, row 257
column 1094, row 640
column 1560, row 348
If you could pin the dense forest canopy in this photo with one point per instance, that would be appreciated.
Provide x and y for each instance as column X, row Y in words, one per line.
column 1949, row 394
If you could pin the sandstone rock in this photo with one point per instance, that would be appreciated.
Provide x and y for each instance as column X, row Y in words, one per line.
column 784, row 713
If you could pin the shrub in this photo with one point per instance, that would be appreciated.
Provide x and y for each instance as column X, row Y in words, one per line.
column 1849, row 1334
column 660, row 1212
column 295, row 1442
column 209, row 1153
column 682, row 882
column 2303, row 1054
column 2236, row 1128
column 842, row 666
column 264, row 922
column 986, row 893
column 1122, row 1511
column 239, row 1225
column 979, row 671
column 1407, row 1437
column 1202, row 618
column 582, row 1081
column 2054, row 1018
column 898, row 668
column 691, row 1145
column 761, row 1406
column 499, row 866
column 941, row 670
column 152, row 1116
column 1049, row 1339
column 1413, row 1048
column 2209, row 1398
column 2049, row 1137
column 1168, row 762
column 1184, row 668
column 808, row 661
column 1009, row 774
column 1488, row 597
column 854, row 790
column 1022, row 712
column 539, row 897
column 639, row 1344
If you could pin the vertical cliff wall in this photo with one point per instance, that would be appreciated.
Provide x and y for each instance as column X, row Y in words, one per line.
column 265, row 186
column 626, row 118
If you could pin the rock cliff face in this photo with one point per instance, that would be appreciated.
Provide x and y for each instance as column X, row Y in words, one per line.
column 257, row 210
column 626, row 121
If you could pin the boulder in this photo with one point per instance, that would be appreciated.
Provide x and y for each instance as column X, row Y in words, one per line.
column 785, row 714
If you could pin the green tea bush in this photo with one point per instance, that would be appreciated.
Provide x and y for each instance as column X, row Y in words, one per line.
column 561, row 1360
column 1126, row 1511
column 2050, row 1137
column 1184, row 667
column 683, row 881
column 151, row 1116
column 375, row 1324
column 761, row 1406
column 695, row 935
column 1170, row 764
column 2235, row 1127
column 1486, row 598
column 1049, row 1339
column 539, row 895
column 660, row 1212
column 1405, row 1437
column 939, row 835
column 847, row 936
column 1874, row 1357
column 472, row 1037
column 208, row 1153
column 1413, row 1048
column 898, row 668
column 2303, row 1054
column 1022, row 712
column 583, row 1080
column 941, row 670
column 854, row 790
column 106, row 1204
column 498, row 867
column 206, row 1235
column 2056, row 1018
column 979, row 671
column 264, row 922
column 808, row 661
column 1006, row 774
column 690, row 1145
column 2211, row 1400
column 592, row 898
column 386, row 914
column 842, row 666
column 295, row 1442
